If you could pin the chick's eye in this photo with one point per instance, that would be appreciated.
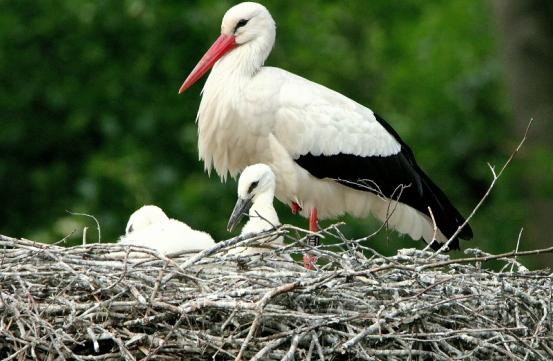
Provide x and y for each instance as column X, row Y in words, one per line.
column 252, row 186
column 240, row 23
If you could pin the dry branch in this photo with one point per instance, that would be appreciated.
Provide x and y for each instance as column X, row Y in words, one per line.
column 112, row 302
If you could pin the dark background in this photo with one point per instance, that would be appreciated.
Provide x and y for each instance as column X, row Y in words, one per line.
column 91, row 121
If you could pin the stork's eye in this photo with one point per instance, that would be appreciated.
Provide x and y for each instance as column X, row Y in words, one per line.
column 242, row 22
column 252, row 186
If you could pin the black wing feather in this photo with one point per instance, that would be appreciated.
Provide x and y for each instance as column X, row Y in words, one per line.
column 383, row 175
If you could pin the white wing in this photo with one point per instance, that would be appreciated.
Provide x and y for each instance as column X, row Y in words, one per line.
column 310, row 118
column 331, row 136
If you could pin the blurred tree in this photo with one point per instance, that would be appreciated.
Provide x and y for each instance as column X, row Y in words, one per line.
column 91, row 121
column 526, row 31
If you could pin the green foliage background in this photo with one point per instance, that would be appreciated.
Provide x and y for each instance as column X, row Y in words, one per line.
column 91, row 120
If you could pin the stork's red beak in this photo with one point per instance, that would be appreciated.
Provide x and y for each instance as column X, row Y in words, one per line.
column 220, row 47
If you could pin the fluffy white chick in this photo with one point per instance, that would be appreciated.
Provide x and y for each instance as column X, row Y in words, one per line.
column 150, row 227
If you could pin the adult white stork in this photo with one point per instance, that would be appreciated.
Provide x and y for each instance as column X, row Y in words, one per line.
column 321, row 145
column 150, row 227
column 256, row 191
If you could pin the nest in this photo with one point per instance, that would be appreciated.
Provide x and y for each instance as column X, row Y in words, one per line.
column 112, row 302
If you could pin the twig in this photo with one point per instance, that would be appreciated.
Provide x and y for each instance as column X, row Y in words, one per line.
column 516, row 249
column 260, row 305
column 95, row 220
column 495, row 178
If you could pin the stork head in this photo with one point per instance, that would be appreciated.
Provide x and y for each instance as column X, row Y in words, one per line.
column 256, row 181
column 243, row 24
column 144, row 217
column 247, row 22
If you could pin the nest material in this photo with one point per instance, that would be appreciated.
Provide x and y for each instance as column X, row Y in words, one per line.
column 101, row 302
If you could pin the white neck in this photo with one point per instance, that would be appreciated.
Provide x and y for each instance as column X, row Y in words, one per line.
column 262, row 215
column 221, row 101
column 244, row 61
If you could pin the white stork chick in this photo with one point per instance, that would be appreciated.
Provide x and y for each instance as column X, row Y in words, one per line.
column 150, row 227
column 330, row 154
column 256, row 191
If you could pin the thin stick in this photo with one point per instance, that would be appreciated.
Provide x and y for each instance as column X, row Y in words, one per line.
column 260, row 305
column 95, row 220
column 485, row 196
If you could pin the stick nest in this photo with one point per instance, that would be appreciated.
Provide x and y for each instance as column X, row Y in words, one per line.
column 110, row 302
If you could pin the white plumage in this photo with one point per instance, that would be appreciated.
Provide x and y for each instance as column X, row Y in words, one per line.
column 256, row 189
column 255, row 114
column 150, row 227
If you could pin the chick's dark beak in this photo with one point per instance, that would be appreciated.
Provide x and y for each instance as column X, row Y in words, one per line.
column 241, row 208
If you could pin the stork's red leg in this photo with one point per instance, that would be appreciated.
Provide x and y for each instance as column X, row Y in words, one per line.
column 313, row 220
column 310, row 260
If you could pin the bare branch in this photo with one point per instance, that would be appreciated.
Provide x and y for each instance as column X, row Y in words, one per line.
column 488, row 191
